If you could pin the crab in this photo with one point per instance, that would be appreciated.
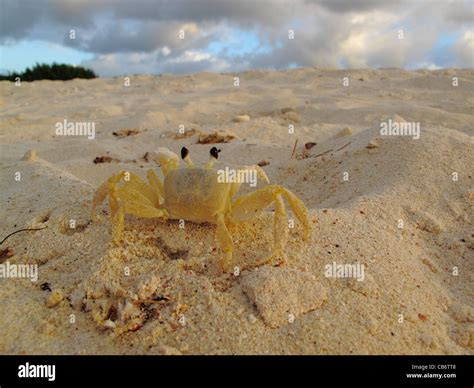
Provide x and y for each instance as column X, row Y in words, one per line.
column 194, row 193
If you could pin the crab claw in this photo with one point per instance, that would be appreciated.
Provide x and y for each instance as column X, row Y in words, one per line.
column 166, row 159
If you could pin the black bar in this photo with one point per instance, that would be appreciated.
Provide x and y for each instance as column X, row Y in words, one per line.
column 317, row 371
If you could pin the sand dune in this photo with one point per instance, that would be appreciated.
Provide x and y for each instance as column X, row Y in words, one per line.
column 402, row 207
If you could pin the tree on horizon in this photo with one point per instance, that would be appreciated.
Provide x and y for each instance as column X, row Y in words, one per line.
column 55, row 72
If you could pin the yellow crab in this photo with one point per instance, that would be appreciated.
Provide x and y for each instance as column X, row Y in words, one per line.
column 196, row 194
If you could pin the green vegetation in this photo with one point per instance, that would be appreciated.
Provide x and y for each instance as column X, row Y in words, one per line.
column 52, row 72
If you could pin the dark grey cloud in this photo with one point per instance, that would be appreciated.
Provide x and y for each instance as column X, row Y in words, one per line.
column 116, row 37
column 20, row 15
column 460, row 12
column 17, row 18
column 244, row 12
column 344, row 6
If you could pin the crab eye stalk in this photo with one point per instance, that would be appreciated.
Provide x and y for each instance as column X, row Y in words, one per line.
column 184, row 152
column 215, row 152
column 186, row 158
column 214, row 155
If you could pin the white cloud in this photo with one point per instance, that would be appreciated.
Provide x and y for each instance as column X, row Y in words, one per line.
column 155, row 62
column 191, row 56
column 464, row 49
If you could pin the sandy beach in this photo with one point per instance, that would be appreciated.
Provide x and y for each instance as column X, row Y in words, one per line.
column 397, row 206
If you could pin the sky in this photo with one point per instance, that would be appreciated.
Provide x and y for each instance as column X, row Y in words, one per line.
column 122, row 37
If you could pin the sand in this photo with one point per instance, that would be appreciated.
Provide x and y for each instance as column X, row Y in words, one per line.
column 399, row 206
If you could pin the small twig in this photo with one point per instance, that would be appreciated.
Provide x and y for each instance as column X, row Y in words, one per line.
column 344, row 146
column 324, row 153
column 294, row 149
column 155, row 300
column 20, row 230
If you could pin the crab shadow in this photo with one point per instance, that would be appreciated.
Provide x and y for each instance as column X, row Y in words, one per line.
column 190, row 242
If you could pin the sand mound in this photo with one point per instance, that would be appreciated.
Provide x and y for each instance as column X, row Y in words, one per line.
column 282, row 294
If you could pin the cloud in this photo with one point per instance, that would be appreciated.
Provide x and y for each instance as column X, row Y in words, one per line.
column 142, row 36
column 345, row 6
column 16, row 19
column 114, row 38
column 464, row 49
column 159, row 61
column 460, row 12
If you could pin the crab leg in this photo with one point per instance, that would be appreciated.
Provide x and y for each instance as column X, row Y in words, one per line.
column 134, row 208
column 134, row 196
column 247, row 206
column 118, row 223
column 103, row 190
column 225, row 241
column 136, row 183
column 133, row 202
column 156, row 185
column 143, row 210
column 300, row 211
column 280, row 228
